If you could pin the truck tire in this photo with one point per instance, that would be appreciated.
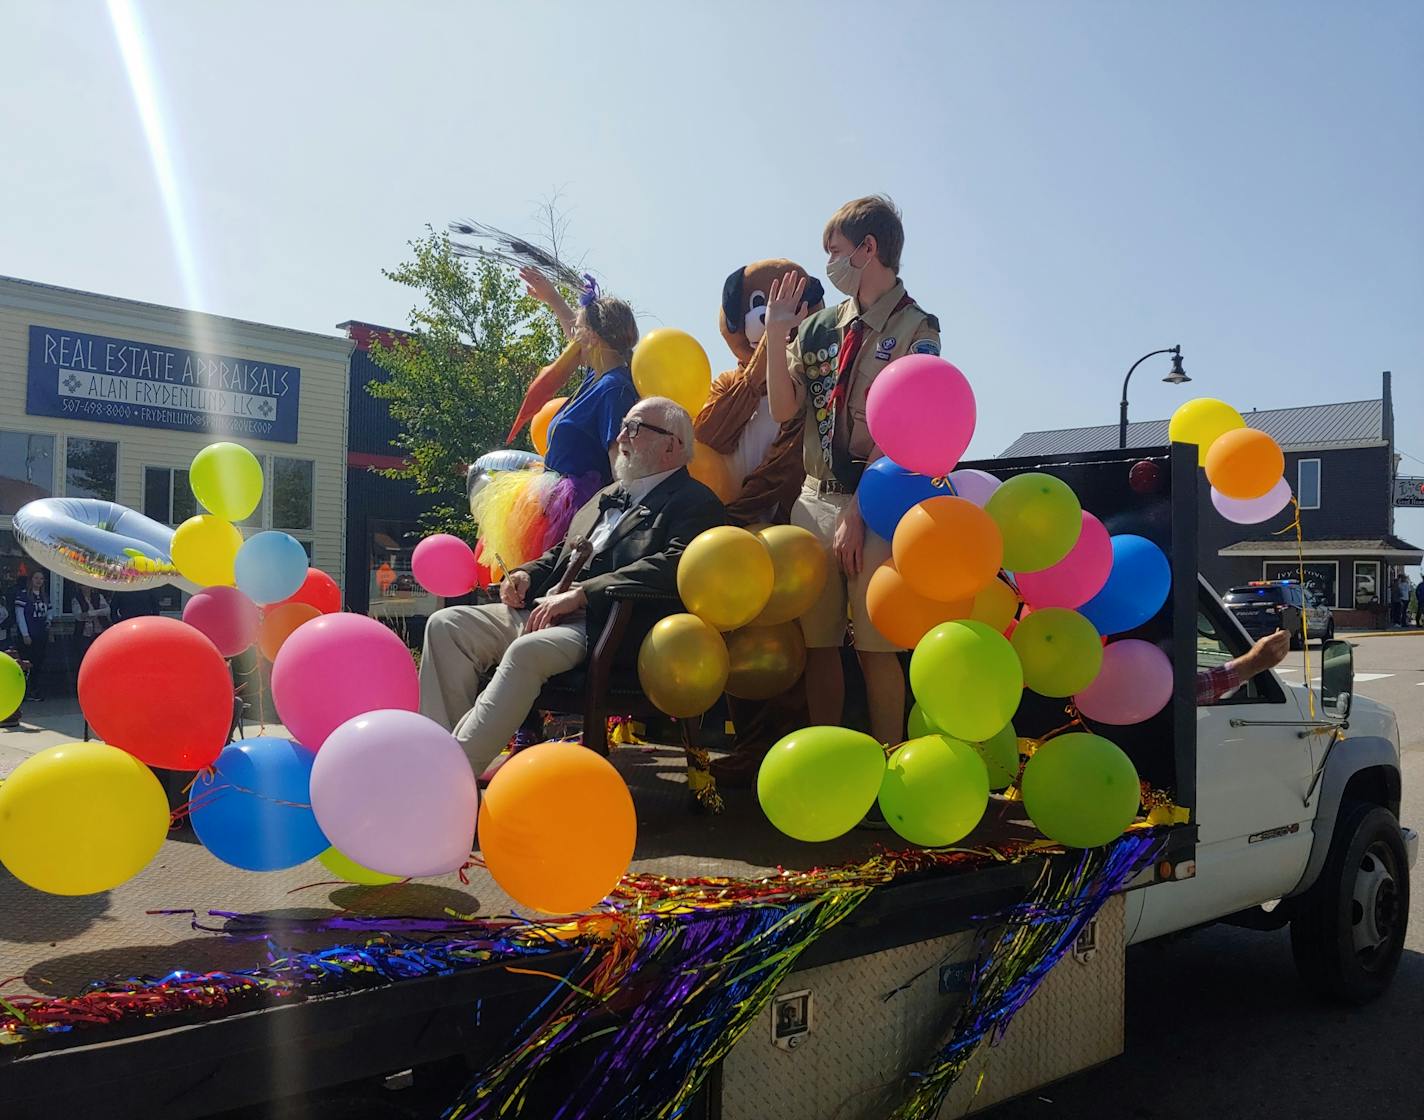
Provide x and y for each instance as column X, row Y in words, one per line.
column 1348, row 934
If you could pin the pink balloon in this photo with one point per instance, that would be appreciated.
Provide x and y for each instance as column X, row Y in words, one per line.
column 1078, row 576
column 394, row 791
column 977, row 486
column 227, row 617
column 1134, row 684
column 444, row 565
column 1253, row 511
column 921, row 413
column 338, row 666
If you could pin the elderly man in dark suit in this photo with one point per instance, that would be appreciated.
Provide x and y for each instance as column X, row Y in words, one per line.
column 483, row 666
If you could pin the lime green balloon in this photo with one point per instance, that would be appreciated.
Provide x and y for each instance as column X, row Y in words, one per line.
column 12, row 686
column 344, row 867
column 967, row 678
column 1080, row 790
column 1039, row 518
column 1061, row 651
column 1001, row 757
column 227, row 479
column 919, row 725
column 818, row 783
column 935, row 791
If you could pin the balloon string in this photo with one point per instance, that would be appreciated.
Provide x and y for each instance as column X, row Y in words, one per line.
column 1304, row 622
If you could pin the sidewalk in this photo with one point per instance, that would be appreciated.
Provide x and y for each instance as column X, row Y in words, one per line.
column 1401, row 633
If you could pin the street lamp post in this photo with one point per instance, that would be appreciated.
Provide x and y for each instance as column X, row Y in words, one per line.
column 1176, row 377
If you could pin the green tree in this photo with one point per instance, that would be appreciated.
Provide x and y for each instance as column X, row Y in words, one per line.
column 454, row 382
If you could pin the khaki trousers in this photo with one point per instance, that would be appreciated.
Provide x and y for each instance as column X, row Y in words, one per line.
column 480, row 673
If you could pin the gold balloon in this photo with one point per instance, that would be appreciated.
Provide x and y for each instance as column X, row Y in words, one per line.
column 995, row 606
column 800, row 569
column 683, row 665
column 765, row 660
column 725, row 577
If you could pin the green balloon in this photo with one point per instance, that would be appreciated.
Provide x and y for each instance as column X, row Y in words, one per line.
column 1001, row 757
column 1039, row 518
column 1061, row 651
column 919, row 725
column 967, row 678
column 818, row 783
column 227, row 479
column 1080, row 790
column 935, row 791
column 12, row 686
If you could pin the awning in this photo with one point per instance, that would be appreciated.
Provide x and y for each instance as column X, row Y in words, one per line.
column 1391, row 549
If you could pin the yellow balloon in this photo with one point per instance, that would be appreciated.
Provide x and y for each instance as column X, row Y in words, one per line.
column 1201, row 421
column 80, row 818
column 725, row 576
column 671, row 363
column 683, row 665
column 227, row 479
column 344, row 867
column 712, row 470
column 204, row 548
column 799, row 571
column 765, row 660
column 995, row 606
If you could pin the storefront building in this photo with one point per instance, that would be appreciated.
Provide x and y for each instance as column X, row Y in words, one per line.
column 110, row 398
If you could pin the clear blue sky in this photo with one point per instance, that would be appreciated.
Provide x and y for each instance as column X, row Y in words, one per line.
column 1081, row 182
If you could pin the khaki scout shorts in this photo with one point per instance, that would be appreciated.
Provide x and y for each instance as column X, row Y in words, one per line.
column 824, row 625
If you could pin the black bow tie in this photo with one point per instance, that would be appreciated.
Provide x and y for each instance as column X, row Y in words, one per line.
column 617, row 498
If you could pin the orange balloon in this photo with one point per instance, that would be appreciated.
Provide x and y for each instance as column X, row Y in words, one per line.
column 901, row 613
column 278, row 623
column 539, row 426
column 948, row 548
column 557, row 828
column 1244, row 463
column 995, row 605
column 711, row 469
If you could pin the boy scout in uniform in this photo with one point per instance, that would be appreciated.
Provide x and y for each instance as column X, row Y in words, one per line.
column 826, row 368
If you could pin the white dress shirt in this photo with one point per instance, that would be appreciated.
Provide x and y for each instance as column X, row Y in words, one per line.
column 638, row 489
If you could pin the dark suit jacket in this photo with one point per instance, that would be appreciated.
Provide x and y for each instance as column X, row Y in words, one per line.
column 644, row 548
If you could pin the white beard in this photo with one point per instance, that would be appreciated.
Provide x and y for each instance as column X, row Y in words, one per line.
column 639, row 464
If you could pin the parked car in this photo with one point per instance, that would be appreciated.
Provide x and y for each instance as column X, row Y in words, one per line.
column 1265, row 606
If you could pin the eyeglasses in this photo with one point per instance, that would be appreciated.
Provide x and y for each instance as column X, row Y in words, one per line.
column 633, row 425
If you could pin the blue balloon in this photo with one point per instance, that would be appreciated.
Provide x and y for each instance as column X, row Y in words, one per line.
column 254, row 811
column 270, row 567
column 887, row 491
column 1137, row 586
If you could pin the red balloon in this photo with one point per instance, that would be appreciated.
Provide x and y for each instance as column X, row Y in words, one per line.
column 159, row 689
column 1145, row 477
column 318, row 590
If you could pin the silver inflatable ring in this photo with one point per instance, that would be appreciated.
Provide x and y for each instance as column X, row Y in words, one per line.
column 102, row 544
column 478, row 474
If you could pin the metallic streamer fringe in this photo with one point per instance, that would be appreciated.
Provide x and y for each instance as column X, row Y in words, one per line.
column 669, row 973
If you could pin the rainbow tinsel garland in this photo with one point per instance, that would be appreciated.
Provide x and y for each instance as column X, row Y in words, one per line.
column 669, row 974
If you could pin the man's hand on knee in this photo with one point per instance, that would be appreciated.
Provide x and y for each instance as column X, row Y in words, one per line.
column 553, row 609
column 513, row 590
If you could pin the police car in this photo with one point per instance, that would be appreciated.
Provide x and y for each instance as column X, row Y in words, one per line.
column 1265, row 606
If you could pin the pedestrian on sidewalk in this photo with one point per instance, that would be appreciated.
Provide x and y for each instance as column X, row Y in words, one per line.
column 32, row 625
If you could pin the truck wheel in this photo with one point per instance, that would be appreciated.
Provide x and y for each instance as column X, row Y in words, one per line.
column 1349, row 933
column 1330, row 631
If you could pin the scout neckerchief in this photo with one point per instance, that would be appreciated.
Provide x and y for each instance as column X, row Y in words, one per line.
column 851, row 342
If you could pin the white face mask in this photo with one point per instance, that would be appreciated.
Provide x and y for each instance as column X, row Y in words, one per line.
column 844, row 275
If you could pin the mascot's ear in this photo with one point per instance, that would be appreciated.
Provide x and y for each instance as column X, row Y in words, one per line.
column 732, row 301
column 814, row 292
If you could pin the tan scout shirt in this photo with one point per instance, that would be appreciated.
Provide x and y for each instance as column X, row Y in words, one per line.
column 812, row 356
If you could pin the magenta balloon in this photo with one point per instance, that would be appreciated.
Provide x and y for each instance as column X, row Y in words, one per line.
column 338, row 666
column 393, row 791
column 444, row 565
column 1078, row 576
column 1134, row 684
column 1253, row 511
column 921, row 413
column 976, row 486
column 226, row 616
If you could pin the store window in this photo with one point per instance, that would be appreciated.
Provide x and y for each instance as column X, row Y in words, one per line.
column 393, row 594
column 167, row 496
column 292, row 494
column 26, row 469
column 91, row 468
column 1308, row 483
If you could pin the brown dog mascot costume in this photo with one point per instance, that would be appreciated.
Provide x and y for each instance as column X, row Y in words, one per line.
column 765, row 458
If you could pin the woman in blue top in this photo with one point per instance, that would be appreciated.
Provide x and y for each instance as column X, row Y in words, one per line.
column 523, row 514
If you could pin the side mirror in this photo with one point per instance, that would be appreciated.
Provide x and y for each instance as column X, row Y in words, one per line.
column 1337, row 679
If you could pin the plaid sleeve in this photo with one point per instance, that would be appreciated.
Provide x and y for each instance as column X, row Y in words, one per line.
column 1213, row 684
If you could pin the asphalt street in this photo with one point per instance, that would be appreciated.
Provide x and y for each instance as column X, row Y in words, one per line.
column 1217, row 1024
